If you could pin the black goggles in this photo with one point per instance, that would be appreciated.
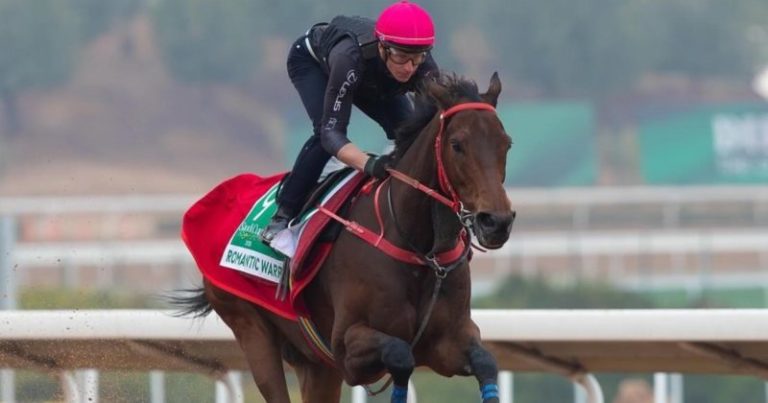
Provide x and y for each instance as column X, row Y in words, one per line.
column 400, row 56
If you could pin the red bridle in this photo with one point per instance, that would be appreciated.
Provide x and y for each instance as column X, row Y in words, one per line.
column 445, row 185
column 378, row 240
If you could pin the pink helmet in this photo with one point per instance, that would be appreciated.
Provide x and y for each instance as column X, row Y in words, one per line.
column 406, row 24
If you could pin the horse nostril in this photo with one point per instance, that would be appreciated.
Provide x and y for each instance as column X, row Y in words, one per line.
column 514, row 215
column 495, row 223
column 485, row 220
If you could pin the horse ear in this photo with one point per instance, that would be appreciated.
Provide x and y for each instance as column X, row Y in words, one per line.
column 439, row 93
column 494, row 89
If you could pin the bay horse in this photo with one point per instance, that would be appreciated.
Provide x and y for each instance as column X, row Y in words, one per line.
column 381, row 314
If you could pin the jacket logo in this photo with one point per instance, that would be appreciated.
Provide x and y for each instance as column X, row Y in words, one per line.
column 351, row 79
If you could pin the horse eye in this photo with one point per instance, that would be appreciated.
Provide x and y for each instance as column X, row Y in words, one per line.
column 456, row 146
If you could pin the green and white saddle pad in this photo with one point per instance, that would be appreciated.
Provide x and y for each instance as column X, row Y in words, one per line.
column 246, row 253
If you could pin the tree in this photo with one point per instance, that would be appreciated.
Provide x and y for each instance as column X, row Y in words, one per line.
column 206, row 41
column 597, row 48
column 519, row 292
column 704, row 38
column 39, row 42
column 97, row 16
column 566, row 48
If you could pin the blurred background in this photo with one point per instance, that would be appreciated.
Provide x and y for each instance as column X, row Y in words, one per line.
column 639, row 170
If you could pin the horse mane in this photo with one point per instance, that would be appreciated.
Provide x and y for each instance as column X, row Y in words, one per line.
column 458, row 89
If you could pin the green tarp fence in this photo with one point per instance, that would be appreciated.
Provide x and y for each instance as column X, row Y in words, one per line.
column 554, row 143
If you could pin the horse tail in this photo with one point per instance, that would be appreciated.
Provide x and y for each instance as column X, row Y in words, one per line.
column 190, row 302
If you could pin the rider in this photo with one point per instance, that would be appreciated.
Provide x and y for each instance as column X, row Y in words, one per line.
column 352, row 60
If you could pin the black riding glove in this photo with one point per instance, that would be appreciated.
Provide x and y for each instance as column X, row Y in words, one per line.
column 376, row 166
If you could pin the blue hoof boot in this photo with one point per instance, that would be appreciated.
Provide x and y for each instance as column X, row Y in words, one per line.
column 490, row 393
column 399, row 394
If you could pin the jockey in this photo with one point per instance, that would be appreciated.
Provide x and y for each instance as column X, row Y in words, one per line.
column 352, row 60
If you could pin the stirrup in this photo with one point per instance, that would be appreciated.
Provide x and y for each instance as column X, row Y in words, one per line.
column 273, row 228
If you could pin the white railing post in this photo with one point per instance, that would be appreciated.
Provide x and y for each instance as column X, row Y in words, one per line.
column 89, row 384
column 229, row 388
column 660, row 387
column 676, row 388
column 8, row 275
column 8, row 294
column 766, row 392
column 586, row 388
column 579, row 394
column 70, row 387
column 221, row 393
column 359, row 395
column 7, row 386
column 506, row 387
column 156, row 387
column 412, row 398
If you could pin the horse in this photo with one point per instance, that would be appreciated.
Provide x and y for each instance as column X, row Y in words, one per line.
column 379, row 311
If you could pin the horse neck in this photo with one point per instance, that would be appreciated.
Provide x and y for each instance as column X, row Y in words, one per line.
column 429, row 225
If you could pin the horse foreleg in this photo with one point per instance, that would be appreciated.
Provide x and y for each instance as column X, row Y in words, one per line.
column 486, row 371
column 369, row 351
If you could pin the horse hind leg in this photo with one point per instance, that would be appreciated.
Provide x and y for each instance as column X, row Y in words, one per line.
column 258, row 339
column 266, row 364
column 319, row 383
column 368, row 351
column 462, row 354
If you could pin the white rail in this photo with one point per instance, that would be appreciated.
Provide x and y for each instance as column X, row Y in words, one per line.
column 95, row 204
column 638, row 195
column 624, row 242
column 533, row 244
column 47, row 254
column 671, row 335
column 519, row 196
column 569, row 342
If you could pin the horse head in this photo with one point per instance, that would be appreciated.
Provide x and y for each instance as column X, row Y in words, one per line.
column 471, row 149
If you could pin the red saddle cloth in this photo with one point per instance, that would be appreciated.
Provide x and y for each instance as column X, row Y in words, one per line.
column 209, row 224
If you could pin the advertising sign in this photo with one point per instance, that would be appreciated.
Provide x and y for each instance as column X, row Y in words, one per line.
column 710, row 145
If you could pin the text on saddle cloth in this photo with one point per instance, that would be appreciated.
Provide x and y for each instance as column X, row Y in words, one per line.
column 246, row 253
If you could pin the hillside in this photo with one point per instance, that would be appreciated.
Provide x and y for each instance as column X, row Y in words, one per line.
column 122, row 125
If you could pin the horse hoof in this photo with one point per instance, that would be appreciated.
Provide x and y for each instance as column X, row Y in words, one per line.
column 399, row 395
column 490, row 393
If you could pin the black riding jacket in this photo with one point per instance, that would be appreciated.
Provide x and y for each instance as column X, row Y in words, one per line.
column 347, row 51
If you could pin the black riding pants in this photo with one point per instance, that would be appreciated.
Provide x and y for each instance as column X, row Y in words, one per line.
column 310, row 81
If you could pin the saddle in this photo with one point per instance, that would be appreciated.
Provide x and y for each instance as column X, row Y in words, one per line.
column 332, row 230
column 220, row 230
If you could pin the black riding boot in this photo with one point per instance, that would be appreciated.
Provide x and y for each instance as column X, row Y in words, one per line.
column 293, row 191
column 279, row 222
